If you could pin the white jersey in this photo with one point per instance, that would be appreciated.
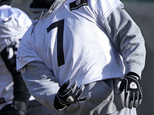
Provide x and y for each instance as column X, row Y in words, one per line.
column 13, row 24
column 72, row 43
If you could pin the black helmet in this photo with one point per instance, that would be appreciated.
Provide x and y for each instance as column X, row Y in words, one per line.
column 5, row 2
column 41, row 3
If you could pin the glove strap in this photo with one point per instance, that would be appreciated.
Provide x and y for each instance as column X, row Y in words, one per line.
column 134, row 75
column 57, row 104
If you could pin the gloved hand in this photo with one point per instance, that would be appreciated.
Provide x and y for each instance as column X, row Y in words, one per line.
column 18, row 108
column 66, row 96
column 132, row 90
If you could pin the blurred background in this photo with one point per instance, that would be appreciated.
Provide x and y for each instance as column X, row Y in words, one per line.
column 142, row 11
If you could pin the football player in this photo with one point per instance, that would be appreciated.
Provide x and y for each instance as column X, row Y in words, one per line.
column 84, row 57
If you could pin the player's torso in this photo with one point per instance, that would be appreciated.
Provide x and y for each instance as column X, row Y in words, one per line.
column 74, row 46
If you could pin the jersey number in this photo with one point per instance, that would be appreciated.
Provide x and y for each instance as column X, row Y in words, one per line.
column 60, row 28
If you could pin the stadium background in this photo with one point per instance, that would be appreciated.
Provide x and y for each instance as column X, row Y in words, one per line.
column 142, row 11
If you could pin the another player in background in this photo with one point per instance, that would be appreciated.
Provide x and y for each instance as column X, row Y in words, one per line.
column 84, row 57
column 14, row 95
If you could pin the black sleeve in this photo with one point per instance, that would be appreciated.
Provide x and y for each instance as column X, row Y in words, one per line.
column 21, row 92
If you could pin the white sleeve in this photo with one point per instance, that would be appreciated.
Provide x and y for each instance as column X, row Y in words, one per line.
column 127, row 39
column 122, row 31
column 26, row 52
column 103, row 8
column 41, row 82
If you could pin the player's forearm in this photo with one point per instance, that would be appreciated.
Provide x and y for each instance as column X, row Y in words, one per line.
column 41, row 82
column 20, row 90
column 128, row 40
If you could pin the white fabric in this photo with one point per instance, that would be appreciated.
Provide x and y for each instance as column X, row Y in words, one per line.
column 13, row 24
column 89, row 55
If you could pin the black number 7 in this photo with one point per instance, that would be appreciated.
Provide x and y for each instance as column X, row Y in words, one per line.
column 60, row 29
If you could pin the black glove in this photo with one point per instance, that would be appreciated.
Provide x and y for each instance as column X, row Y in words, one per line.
column 18, row 108
column 66, row 96
column 132, row 90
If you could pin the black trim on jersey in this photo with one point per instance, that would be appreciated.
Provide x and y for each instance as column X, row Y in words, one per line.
column 77, row 4
column 60, row 27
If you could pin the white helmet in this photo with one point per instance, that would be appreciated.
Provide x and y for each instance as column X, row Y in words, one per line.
column 13, row 25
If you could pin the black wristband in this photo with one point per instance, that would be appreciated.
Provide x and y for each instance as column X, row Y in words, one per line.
column 57, row 104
